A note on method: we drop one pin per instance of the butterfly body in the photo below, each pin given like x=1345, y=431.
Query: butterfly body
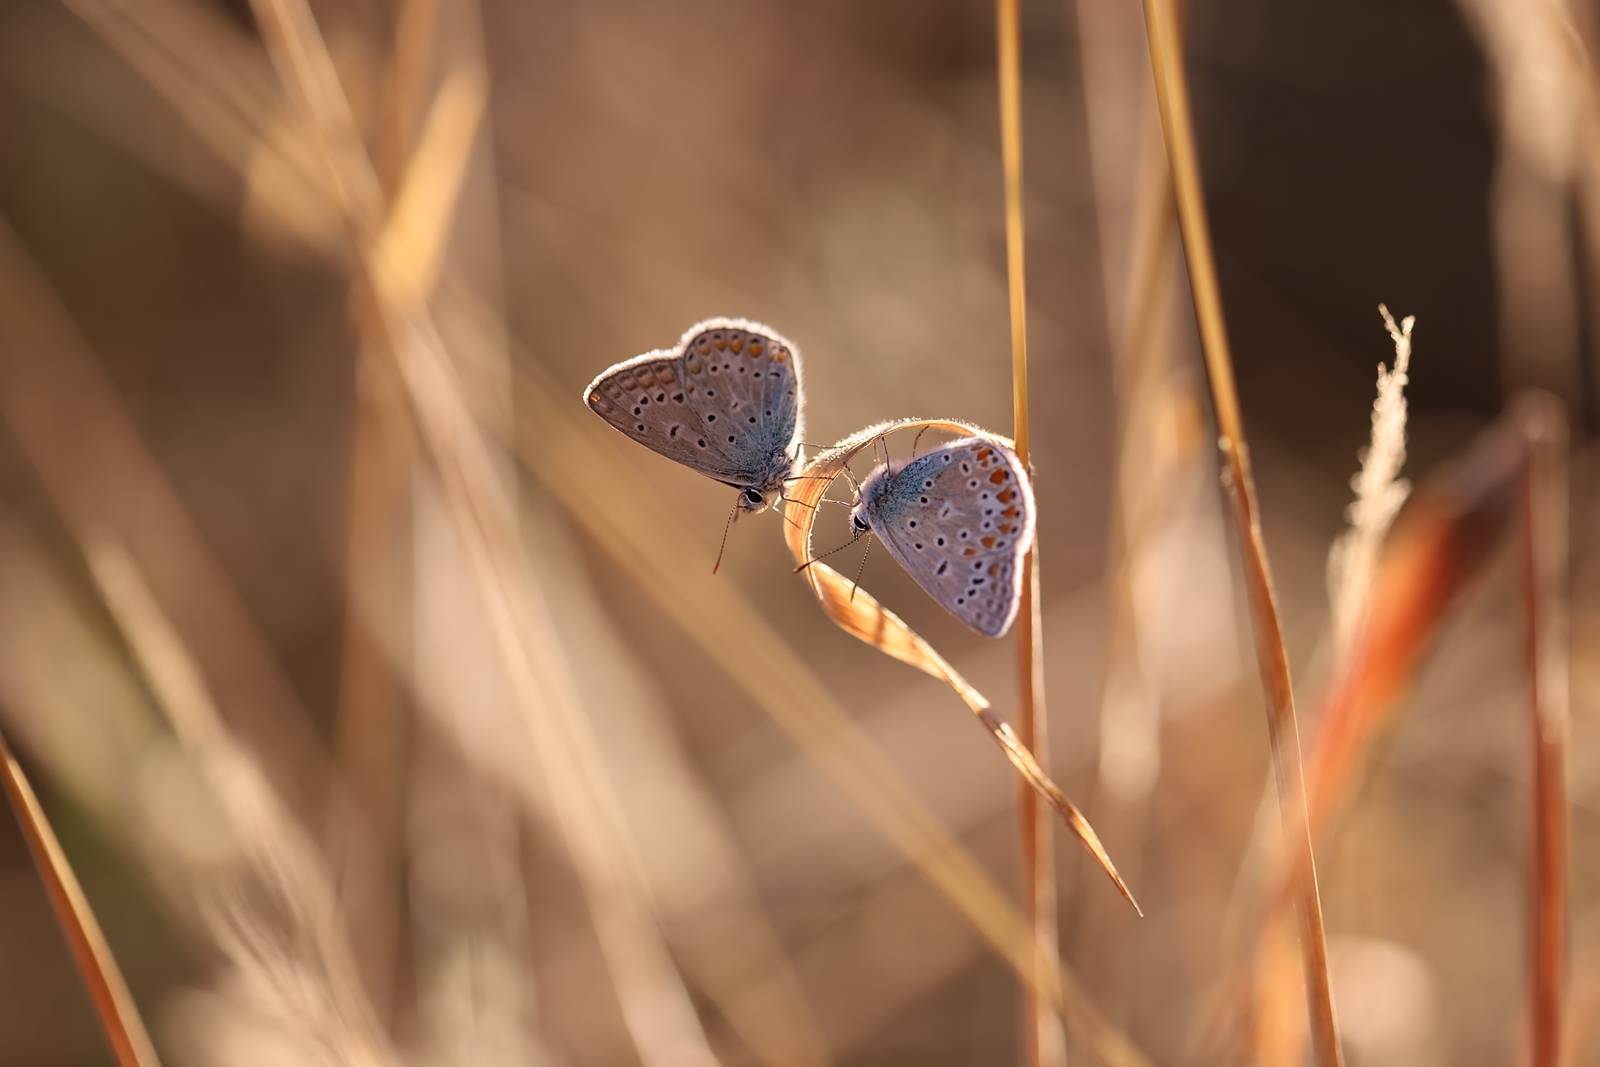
x=726, y=402
x=959, y=520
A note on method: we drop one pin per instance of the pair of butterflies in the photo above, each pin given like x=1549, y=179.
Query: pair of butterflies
x=726, y=402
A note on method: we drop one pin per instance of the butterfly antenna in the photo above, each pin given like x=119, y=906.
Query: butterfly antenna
x=826, y=554
x=724, y=546
x=861, y=569
x=917, y=440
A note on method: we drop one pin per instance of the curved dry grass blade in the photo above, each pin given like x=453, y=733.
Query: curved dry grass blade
x=124, y=1029
x=1544, y=547
x=1041, y=1037
x=857, y=613
x=1166, y=58
x=578, y=463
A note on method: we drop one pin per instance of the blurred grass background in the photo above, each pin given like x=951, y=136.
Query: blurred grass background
x=181, y=364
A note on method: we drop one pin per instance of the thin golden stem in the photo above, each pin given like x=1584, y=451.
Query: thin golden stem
x=1544, y=553
x=109, y=993
x=1042, y=1043
x=1166, y=57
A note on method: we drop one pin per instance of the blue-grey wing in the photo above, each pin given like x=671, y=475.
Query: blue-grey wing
x=696, y=404
x=959, y=520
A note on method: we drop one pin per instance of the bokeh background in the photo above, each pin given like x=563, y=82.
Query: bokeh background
x=190, y=391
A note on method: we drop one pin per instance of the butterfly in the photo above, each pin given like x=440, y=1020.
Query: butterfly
x=725, y=402
x=959, y=519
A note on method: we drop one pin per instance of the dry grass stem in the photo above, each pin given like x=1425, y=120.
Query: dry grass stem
x=1544, y=548
x=113, y=1004
x=276, y=919
x=423, y=247
x=1042, y=1040
x=578, y=463
x=659, y=1014
x=1166, y=56
x=1379, y=493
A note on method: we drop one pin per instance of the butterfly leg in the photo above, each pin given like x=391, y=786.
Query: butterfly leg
x=826, y=554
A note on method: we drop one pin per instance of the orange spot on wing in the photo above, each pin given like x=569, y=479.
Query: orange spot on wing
x=998, y=476
x=970, y=552
x=988, y=542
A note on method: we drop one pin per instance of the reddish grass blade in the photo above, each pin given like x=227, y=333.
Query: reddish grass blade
x=1544, y=560
x=109, y=993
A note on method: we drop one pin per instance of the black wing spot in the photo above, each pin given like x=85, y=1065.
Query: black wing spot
x=752, y=420
x=730, y=438
x=924, y=499
x=641, y=427
x=678, y=397
x=711, y=418
x=943, y=566
x=912, y=524
x=702, y=442
x=637, y=410
x=674, y=431
x=661, y=398
x=711, y=392
x=939, y=541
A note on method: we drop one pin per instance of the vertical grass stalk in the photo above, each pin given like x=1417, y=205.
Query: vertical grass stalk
x=1544, y=556
x=1166, y=58
x=1042, y=1043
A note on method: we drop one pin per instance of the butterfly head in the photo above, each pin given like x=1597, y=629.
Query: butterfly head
x=755, y=499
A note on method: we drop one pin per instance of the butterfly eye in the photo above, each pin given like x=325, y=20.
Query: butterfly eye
x=753, y=497
x=859, y=523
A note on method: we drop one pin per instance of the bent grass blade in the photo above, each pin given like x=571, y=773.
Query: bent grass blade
x=859, y=614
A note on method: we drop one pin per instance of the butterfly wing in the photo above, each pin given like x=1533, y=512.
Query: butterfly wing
x=725, y=402
x=959, y=520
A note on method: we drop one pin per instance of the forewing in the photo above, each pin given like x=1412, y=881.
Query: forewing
x=959, y=519
x=724, y=403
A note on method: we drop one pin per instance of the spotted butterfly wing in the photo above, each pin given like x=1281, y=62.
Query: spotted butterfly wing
x=959, y=520
x=725, y=402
